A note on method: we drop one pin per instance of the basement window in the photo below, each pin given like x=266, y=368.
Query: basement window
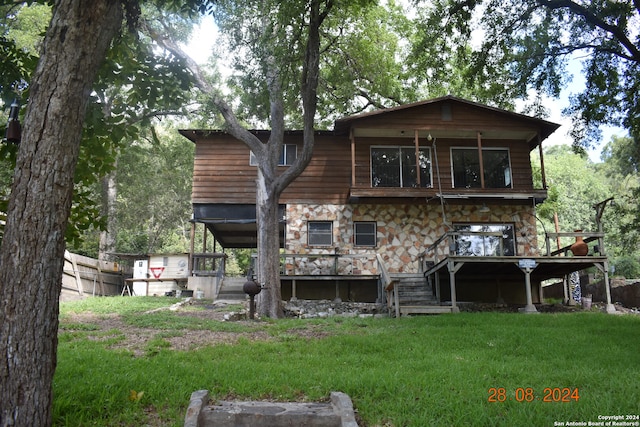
x=364, y=233
x=467, y=172
x=484, y=240
x=320, y=233
x=288, y=155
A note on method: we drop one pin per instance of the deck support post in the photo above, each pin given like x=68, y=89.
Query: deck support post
x=604, y=268
x=529, y=308
x=565, y=290
x=293, y=289
x=453, y=268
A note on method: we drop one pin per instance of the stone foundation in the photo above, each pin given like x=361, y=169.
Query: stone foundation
x=403, y=231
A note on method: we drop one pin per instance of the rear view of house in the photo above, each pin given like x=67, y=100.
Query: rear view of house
x=436, y=198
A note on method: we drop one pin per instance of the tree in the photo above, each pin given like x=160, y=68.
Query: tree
x=575, y=185
x=31, y=252
x=534, y=40
x=31, y=256
x=285, y=49
x=621, y=165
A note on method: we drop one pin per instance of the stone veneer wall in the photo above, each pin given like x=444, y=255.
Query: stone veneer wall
x=403, y=231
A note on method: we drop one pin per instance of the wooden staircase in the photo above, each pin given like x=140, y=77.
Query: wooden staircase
x=411, y=294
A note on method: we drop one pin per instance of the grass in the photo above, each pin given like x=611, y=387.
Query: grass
x=418, y=371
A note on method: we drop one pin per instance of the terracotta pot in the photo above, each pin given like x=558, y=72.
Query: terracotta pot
x=579, y=248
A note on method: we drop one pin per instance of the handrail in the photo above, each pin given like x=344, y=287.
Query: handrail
x=384, y=274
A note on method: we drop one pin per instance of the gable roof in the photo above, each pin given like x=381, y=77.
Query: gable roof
x=379, y=122
x=545, y=127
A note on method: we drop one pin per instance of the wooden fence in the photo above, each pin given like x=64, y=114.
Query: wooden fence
x=84, y=276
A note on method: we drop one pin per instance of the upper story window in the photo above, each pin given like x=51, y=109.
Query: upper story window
x=288, y=155
x=484, y=240
x=467, y=171
x=396, y=167
x=320, y=233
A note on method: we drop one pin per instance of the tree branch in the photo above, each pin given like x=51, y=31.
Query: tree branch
x=596, y=21
x=233, y=125
x=310, y=78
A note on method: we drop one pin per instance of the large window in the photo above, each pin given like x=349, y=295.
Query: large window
x=484, y=240
x=364, y=233
x=467, y=171
x=320, y=233
x=288, y=155
x=396, y=167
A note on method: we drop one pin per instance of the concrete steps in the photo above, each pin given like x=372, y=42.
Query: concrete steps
x=231, y=289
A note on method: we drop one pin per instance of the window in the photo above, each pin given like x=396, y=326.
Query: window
x=320, y=233
x=484, y=240
x=364, y=233
x=396, y=167
x=288, y=155
x=466, y=168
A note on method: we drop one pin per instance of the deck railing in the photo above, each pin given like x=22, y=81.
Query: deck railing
x=325, y=265
x=448, y=245
x=208, y=264
x=588, y=237
x=329, y=264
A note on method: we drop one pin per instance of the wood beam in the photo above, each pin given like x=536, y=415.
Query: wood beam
x=544, y=178
x=416, y=142
x=353, y=158
x=479, y=138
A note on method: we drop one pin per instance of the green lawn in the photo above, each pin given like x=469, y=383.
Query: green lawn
x=420, y=371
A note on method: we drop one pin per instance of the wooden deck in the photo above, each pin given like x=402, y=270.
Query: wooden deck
x=524, y=269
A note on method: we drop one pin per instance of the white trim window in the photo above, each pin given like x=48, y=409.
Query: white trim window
x=364, y=233
x=320, y=233
x=393, y=166
x=465, y=167
x=288, y=155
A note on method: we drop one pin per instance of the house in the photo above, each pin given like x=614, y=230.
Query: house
x=422, y=205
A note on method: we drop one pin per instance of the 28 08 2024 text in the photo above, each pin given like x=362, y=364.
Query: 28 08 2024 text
x=528, y=394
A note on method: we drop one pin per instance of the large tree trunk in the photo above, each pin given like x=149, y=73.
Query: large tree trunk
x=31, y=257
x=270, y=298
x=270, y=183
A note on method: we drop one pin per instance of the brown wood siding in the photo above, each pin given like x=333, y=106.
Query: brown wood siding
x=222, y=173
x=431, y=116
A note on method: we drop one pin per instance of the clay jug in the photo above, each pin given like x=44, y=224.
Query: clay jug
x=579, y=248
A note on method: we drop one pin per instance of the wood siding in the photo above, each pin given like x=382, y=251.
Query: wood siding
x=222, y=173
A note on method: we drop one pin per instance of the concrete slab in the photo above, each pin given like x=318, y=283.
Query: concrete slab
x=338, y=413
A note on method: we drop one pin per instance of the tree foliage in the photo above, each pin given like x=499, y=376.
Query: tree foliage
x=621, y=166
x=534, y=41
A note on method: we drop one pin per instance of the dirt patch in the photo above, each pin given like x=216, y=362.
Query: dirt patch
x=138, y=339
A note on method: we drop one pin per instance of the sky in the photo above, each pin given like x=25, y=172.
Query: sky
x=204, y=40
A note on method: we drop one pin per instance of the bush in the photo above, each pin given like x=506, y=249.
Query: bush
x=627, y=266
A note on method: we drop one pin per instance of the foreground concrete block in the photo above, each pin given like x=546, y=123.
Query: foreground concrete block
x=338, y=413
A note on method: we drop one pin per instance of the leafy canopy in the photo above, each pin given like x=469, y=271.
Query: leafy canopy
x=535, y=40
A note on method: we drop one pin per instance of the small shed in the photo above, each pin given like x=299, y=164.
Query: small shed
x=158, y=274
